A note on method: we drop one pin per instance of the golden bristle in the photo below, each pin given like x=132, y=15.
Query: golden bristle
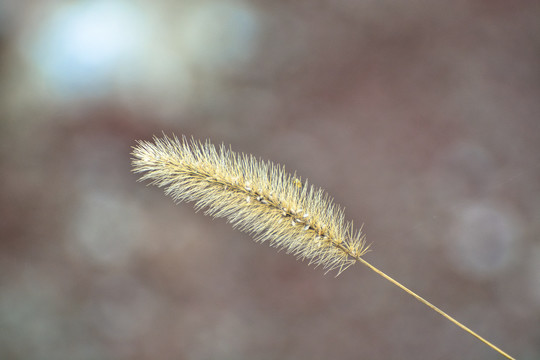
x=258, y=197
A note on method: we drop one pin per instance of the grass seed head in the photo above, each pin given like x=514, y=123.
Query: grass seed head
x=257, y=197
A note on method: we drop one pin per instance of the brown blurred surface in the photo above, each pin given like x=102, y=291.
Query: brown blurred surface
x=421, y=118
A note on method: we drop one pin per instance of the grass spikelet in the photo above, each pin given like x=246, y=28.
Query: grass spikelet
x=262, y=199
x=257, y=197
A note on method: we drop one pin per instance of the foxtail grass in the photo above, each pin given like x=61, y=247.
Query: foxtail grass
x=262, y=199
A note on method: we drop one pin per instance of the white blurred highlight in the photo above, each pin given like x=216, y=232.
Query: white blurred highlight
x=81, y=47
x=129, y=50
x=483, y=240
x=219, y=35
x=97, y=229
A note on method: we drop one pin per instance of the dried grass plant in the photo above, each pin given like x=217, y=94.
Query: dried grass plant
x=262, y=199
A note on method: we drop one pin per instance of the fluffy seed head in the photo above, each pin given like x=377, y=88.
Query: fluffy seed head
x=258, y=197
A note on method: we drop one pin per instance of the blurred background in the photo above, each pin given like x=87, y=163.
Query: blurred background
x=422, y=118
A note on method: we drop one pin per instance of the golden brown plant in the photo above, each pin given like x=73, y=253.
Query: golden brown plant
x=260, y=198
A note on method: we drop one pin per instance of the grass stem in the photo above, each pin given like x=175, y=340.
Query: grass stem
x=436, y=309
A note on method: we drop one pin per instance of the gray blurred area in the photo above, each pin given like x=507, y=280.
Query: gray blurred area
x=422, y=118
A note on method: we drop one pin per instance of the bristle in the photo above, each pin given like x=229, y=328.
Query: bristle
x=257, y=197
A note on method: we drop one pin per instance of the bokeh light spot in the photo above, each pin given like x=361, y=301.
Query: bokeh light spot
x=483, y=240
x=218, y=35
x=82, y=46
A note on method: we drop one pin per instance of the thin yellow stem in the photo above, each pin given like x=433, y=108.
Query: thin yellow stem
x=424, y=301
